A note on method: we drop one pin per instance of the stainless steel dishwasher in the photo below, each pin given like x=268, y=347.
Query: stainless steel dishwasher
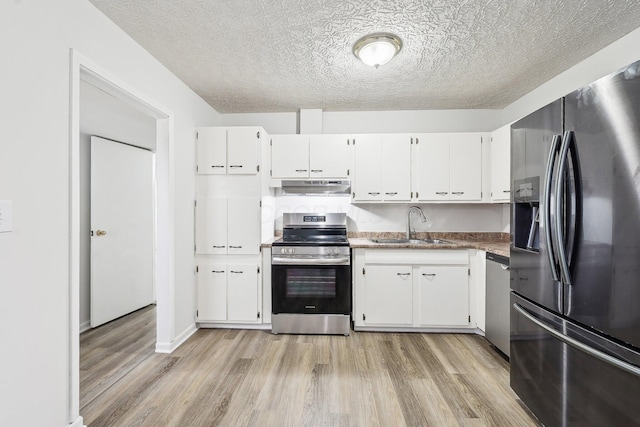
x=497, y=302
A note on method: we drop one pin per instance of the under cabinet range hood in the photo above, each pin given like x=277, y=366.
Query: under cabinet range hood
x=316, y=187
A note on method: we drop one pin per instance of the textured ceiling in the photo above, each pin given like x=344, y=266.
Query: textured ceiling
x=283, y=55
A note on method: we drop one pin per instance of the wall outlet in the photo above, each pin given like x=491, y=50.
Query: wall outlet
x=6, y=216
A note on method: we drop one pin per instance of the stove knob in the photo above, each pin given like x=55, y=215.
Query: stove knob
x=283, y=250
x=292, y=250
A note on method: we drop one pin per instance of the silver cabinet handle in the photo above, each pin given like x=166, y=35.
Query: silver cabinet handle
x=373, y=194
x=580, y=346
x=441, y=193
x=217, y=166
x=235, y=247
x=236, y=166
x=301, y=170
x=429, y=274
x=391, y=194
x=403, y=274
x=316, y=170
x=218, y=246
x=236, y=272
x=457, y=193
x=506, y=191
x=217, y=271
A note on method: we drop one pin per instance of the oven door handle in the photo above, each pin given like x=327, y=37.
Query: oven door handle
x=306, y=260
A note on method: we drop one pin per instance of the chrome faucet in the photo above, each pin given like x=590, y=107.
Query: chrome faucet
x=422, y=218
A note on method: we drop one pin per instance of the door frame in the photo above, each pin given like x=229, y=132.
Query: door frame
x=82, y=68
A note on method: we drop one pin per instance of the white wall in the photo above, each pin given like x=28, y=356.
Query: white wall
x=613, y=57
x=273, y=123
x=393, y=217
x=375, y=121
x=35, y=41
x=101, y=114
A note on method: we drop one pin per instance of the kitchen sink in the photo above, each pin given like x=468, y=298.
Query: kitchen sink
x=412, y=241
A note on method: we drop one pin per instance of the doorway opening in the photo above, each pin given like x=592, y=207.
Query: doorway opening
x=85, y=72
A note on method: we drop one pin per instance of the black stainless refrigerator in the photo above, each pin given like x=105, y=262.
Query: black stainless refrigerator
x=575, y=256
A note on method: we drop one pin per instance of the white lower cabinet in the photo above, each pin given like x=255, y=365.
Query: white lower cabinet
x=411, y=288
x=212, y=293
x=444, y=295
x=228, y=293
x=388, y=295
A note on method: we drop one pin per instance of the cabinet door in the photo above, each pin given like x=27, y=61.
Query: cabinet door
x=289, y=156
x=444, y=296
x=242, y=293
x=243, y=226
x=211, y=226
x=212, y=151
x=367, y=180
x=432, y=165
x=212, y=292
x=388, y=295
x=242, y=150
x=465, y=174
x=396, y=168
x=500, y=167
x=328, y=156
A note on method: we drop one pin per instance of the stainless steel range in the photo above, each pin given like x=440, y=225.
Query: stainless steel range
x=311, y=275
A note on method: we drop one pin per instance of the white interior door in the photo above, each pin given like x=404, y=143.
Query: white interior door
x=122, y=217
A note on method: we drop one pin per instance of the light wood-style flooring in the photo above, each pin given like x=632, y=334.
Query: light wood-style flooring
x=253, y=378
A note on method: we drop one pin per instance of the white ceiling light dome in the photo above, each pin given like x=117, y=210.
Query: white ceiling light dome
x=377, y=49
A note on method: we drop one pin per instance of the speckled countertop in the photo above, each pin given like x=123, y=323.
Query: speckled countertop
x=496, y=243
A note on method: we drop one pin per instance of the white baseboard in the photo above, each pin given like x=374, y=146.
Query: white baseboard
x=85, y=326
x=169, y=347
x=77, y=423
x=419, y=330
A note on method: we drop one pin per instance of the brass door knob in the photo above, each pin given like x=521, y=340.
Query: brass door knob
x=101, y=233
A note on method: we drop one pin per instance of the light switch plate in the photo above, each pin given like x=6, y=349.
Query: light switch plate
x=6, y=216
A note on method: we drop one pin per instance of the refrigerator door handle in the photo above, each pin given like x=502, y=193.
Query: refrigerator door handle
x=559, y=217
x=546, y=212
x=632, y=369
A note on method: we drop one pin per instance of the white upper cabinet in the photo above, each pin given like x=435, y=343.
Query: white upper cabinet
x=242, y=150
x=396, y=168
x=243, y=226
x=228, y=226
x=289, y=156
x=382, y=168
x=211, y=226
x=432, y=167
x=367, y=180
x=309, y=156
x=448, y=167
x=212, y=151
x=231, y=151
x=329, y=156
x=500, y=165
x=465, y=162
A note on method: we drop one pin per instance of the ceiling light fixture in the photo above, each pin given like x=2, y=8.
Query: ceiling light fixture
x=377, y=49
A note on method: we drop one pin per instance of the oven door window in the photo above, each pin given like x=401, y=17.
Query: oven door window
x=311, y=289
x=311, y=283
